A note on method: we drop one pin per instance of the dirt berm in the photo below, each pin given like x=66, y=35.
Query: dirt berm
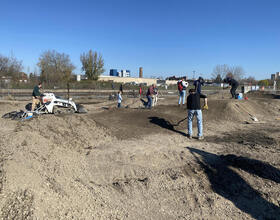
x=134, y=163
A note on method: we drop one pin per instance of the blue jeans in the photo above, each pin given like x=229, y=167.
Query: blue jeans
x=119, y=105
x=182, y=97
x=191, y=114
x=149, y=105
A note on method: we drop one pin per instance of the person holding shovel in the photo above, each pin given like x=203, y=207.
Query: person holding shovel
x=194, y=109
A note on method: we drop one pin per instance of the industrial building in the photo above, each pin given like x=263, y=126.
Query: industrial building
x=114, y=72
x=122, y=73
x=275, y=76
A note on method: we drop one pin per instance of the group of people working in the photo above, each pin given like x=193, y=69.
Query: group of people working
x=193, y=99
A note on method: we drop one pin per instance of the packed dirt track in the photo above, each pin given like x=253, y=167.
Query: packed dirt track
x=135, y=163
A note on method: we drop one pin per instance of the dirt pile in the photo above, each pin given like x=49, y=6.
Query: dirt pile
x=134, y=163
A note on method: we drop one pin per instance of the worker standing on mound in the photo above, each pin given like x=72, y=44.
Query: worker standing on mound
x=234, y=85
x=36, y=99
x=194, y=109
x=182, y=86
x=197, y=86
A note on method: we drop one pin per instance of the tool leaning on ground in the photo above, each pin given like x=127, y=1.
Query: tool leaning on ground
x=254, y=118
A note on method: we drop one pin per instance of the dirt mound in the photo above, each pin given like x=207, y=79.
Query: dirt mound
x=134, y=163
x=136, y=122
x=262, y=95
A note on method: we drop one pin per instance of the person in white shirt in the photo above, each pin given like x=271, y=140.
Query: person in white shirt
x=182, y=86
x=119, y=97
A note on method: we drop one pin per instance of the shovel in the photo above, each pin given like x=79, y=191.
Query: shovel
x=178, y=123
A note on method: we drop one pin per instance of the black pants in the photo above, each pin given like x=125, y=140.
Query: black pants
x=233, y=91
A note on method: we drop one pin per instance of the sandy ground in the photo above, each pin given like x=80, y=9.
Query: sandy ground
x=133, y=163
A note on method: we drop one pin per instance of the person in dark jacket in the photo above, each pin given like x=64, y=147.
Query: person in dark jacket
x=234, y=85
x=198, y=83
x=150, y=93
x=194, y=109
x=121, y=88
x=36, y=99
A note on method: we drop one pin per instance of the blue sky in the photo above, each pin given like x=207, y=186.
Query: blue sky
x=165, y=37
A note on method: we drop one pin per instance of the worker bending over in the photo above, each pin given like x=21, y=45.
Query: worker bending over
x=234, y=85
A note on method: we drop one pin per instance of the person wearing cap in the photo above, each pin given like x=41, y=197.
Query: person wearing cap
x=194, y=109
x=234, y=85
x=197, y=86
x=36, y=99
x=198, y=83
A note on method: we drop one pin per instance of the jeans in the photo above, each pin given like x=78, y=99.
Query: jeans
x=182, y=97
x=191, y=114
x=119, y=105
x=233, y=91
x=149, y=105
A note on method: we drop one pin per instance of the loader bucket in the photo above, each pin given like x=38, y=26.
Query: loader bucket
x=81, y=109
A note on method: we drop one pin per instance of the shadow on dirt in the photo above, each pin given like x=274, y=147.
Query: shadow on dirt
x=256, y=167
x=233, y=187
x=165, y=124
x=251, y=138
x=144, y=102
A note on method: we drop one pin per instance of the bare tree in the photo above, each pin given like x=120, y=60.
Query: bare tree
x=225, y=70
x=93, y=64
x=250, y=80
x=55, y=67
x=218, y=79
x=4, y=62
x=10, y=66
x=221, y=70
x=237, y=72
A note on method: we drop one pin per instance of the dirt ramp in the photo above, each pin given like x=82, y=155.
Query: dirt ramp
x=234, y=110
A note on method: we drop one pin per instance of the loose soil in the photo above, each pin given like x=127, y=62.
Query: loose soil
x=135, y=163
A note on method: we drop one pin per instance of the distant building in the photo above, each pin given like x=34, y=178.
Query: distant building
x=23, y=77
x=275, y=76
x=6, y=79
x=122, y=73
x=176, y=78
x=80, y=77
x=131, y=80
x=125, y=73
x=114, y=72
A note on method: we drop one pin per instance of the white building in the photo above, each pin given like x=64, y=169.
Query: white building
x=124, y=73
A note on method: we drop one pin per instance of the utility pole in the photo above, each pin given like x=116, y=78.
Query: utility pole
x=193, y=74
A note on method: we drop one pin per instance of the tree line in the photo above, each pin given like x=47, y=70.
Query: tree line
x=237, y=72
x=54, y=67
x=10, y=67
